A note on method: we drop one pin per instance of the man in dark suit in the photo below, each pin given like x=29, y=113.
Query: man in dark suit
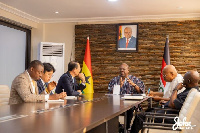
x=43, y=82
x=68, y=82
x=128, y=41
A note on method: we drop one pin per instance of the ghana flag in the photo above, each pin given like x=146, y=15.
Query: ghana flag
x=87, y=69
x=120, y=33
x=165, y=61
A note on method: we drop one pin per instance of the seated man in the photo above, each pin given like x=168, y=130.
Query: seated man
x=172, y=78
x=24, y=87
x=67, y=81
x=129, y=84
x=46, y=77
x=191, y=79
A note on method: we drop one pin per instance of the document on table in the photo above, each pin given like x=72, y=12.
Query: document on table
x=70, y=97
x=133, y=97
x=60, y=100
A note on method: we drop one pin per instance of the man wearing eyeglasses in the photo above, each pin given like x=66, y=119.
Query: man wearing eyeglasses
x=172, y=79
x=44, y=87
x=129, y=84
x=43, y=83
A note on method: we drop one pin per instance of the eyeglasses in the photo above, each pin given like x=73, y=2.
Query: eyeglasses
x=164, y=75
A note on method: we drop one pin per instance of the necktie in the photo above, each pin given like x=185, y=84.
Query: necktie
x=45, y=87
x=35, y=86
x=127, y=43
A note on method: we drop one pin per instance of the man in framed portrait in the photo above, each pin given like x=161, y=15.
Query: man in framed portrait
x=128, y=41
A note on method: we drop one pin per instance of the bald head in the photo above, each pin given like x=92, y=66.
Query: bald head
x=125, y=65
x=169, y=73
x=128, y=32
x=191, y=79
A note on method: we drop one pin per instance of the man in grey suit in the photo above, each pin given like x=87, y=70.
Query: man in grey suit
x=128, y=41
x=24, y=87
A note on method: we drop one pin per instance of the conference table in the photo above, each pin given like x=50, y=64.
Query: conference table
x=92, y=113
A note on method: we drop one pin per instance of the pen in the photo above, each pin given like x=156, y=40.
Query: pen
x=63, y=93
x=148, y=90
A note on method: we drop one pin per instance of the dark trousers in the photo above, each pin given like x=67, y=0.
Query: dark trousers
x=130, y=114
x=129, y=117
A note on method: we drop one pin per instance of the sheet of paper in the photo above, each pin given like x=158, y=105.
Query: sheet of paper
x=116, y=89
x=60, y=100
x=132, y=97
x=70, y=97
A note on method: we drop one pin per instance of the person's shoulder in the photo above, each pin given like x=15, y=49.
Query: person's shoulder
x=123, y=38
x=115, y=78
x=179, y=78
x=66, y=76
x=132, y=76
x=22, y=75
x=132, y=37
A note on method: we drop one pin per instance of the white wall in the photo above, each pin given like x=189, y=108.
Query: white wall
x=55, y=32
x=12, y=54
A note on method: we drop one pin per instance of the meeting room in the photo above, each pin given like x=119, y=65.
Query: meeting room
x=107, y=66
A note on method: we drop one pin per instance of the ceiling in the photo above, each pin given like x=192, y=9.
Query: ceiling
x=102, y=9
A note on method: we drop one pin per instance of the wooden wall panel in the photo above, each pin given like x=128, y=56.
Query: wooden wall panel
x=184, y=38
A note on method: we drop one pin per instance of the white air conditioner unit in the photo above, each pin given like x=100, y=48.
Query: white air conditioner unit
x=53, y=53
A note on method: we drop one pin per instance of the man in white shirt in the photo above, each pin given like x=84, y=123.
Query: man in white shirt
x=172, y=79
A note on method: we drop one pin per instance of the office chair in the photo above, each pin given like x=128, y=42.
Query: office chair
x=4, y=94
x=190, y=110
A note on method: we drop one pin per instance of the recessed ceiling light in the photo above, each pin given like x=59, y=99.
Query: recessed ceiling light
x=56, y=12
x=179, y=7
x=112, y=0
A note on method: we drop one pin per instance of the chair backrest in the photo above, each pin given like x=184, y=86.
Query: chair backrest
x=195, y=120
x=4, y=94
x=190, y=110
x=190, y=104
x=189, y=107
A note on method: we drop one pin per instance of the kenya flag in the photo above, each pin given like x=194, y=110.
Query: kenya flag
x=165, y=61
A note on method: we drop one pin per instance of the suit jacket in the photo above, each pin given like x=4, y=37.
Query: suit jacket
x=66, y=82
x=131, y=44
x=21, y=90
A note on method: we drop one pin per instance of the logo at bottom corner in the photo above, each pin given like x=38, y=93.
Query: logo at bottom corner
x=182, y=124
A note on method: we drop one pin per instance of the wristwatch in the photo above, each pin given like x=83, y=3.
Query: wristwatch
x=175, y=89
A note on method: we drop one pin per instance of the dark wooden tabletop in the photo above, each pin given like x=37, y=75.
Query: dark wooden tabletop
x=81, y=114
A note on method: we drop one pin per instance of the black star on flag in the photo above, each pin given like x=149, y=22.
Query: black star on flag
x=87, y=78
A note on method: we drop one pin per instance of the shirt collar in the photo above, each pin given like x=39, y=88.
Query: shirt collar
x=29, y=76
x=33, y=88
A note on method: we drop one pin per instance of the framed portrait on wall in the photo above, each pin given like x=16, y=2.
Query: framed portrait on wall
x=127, y=37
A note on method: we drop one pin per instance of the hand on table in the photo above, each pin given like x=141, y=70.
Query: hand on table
x=80, y=93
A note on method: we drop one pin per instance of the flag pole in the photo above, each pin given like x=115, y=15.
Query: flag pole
x=165, y=61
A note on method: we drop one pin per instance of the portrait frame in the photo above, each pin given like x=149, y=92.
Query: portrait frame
x=130, y=44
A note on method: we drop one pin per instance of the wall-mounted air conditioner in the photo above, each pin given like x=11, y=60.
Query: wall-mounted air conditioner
x=53, y=53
